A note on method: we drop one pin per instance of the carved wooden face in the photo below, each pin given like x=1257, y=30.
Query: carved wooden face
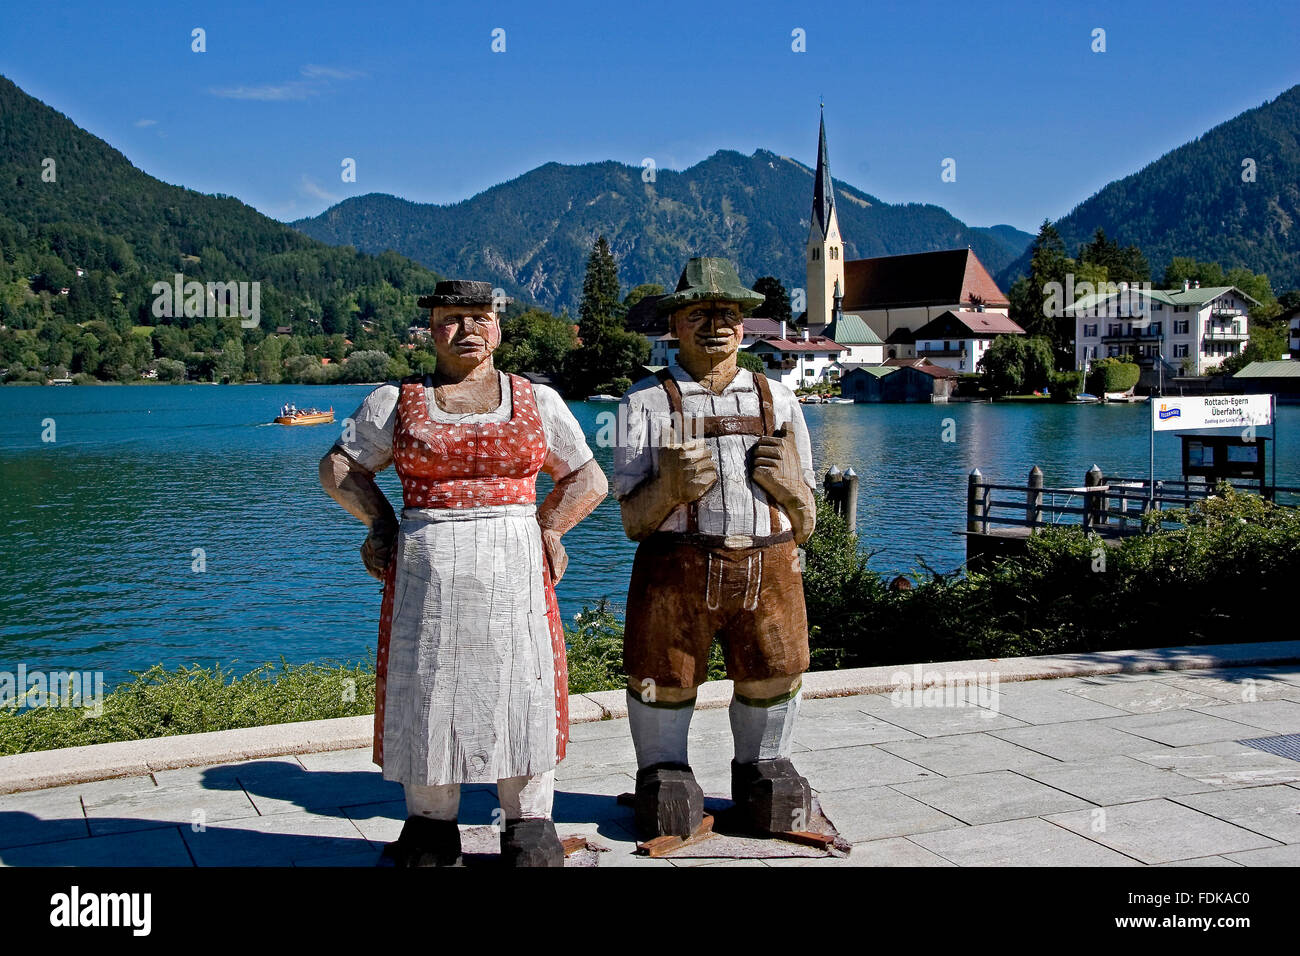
x=709, y=330
x=464, y=334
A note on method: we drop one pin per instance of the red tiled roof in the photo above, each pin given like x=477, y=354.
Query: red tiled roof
x=921, y=365
x=977, y=323
x=816, y=343
x=918, y=279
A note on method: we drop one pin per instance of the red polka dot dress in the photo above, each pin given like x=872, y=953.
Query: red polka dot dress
x=472, y=679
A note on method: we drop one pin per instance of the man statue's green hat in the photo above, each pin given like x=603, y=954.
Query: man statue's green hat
x=706, y=279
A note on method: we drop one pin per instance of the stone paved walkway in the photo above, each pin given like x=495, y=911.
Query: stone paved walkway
x=1121, y=770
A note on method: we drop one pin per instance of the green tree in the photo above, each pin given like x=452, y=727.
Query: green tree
x=776, y=302
x=1267, y=344
x=535, y=341
x=1029, y=295
x=639, y=292
x=230, y=362
x=608, y=350
x=269, y=359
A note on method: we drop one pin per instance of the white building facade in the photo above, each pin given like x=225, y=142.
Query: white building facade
x=1192, y=329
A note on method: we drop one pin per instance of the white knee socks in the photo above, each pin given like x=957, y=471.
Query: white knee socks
x=658, y=733
x=520, y=797
x=439, y=802
x=525, y=798
x=763, y=733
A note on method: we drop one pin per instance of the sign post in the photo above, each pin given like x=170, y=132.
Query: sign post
x=1209, y=411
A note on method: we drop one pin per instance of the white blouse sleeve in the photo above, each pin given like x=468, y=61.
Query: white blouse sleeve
x=566, y=445
x=368, y=432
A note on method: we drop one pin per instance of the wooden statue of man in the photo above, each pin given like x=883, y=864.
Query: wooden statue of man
x=714, y=474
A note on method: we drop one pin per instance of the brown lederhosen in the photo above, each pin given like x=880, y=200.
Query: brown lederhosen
x=689, y=588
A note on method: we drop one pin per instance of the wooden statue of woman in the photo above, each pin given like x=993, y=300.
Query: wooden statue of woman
x=472, y=681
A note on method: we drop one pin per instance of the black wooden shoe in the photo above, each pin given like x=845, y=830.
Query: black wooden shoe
x=531, y=842
x=424, y=842
x=771, y=796
x=668, y=801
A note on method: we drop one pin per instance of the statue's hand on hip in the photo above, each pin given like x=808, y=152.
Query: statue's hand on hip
x=555, y=553
x=687, y=470
x=377, y=549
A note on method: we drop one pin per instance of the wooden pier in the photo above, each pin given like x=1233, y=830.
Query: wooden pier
x=1000, y=517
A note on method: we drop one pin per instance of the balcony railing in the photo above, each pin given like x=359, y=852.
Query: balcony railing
x=1226, y=335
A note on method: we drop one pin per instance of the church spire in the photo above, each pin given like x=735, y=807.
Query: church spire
x=823, y=189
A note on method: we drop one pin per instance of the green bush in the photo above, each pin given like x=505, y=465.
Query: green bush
x=194, y=699
x=1112, y=375
x=1066, y=386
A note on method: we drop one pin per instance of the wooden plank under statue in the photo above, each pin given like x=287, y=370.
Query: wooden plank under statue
x=472, y=684
x=714, y=476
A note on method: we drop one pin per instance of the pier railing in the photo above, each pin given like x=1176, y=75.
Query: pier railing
x=1110, y=505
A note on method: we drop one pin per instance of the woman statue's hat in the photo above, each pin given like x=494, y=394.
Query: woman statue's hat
x=706, y=279
x=461, y=292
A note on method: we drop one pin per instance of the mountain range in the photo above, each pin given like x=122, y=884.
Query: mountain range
x=532, y=235
x=1230, y=196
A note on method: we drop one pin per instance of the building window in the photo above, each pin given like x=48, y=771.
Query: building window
x=1182, y=308
x=1156, y=328
x=1180, y=351
x=1157, y=306
x=1180, y=326
x=1090, y=331
x=816, y=254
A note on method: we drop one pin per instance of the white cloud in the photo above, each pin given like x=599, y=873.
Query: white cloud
x=316, y=192
x=315, y=71
x=315, y=80
x=269, y=92
x=145, y=122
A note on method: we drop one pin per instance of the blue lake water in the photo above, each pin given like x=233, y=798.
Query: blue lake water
x=102, y=525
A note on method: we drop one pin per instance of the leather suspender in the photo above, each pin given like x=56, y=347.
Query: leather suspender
x=719, y=425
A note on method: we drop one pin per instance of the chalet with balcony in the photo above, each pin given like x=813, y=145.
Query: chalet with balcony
x=1190, y=330
x=957, y=340
x=799, y=362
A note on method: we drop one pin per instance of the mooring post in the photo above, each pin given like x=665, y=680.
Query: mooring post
x=1034, y=498
x=973, y=502
x=851, y=499
x=1092, y=509
x=833, y=483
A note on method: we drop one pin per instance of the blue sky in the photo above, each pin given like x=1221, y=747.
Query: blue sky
x=1036, y=121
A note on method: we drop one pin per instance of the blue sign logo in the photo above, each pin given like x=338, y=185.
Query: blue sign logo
x=1166, y=412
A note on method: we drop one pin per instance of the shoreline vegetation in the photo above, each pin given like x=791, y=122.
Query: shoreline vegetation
x=1217, y=579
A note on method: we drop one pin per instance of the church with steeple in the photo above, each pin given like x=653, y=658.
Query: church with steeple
x=883, y=300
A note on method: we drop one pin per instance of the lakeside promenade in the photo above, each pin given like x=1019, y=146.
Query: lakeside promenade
x=1123, y=758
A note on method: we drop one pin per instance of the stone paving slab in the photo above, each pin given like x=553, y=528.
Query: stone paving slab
x=154, y=806
x=281, y=839
x=1273, y=812
x=1073, y=740
x=163, y=847
x=1275, y=716
x=1160, y=831
x=990, y=797
x=1117, y=778
x=1032, y=842
x=966, y=753
x=1144, y=696
x=1182, y=728
x=1224, y=764
x=1037, y=704
x=877, y=813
